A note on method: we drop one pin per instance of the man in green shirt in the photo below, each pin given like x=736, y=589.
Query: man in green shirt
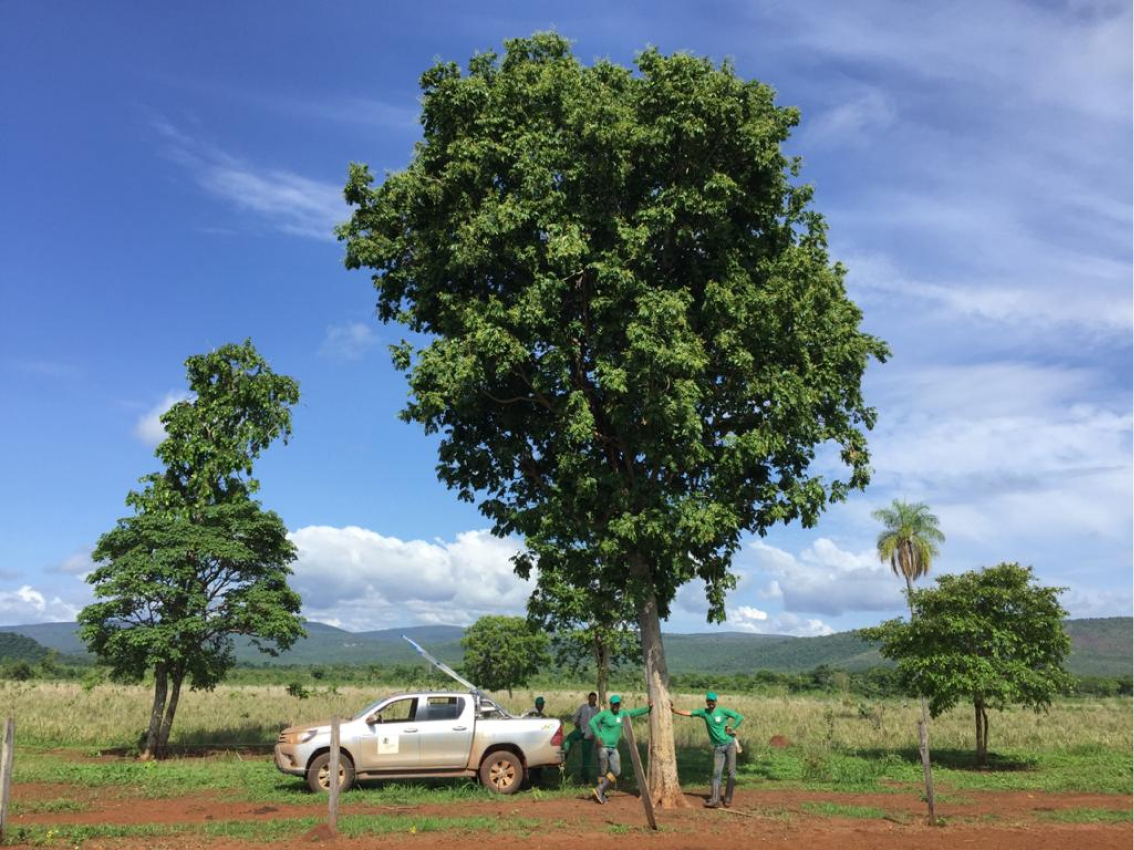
x=722, y=724
x=607, y=729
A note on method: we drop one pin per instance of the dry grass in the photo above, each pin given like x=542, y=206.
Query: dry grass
x=110, y=716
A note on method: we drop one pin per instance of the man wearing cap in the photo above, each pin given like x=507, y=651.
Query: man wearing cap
x=606, y=726
x=722, y=736
x=537, y=709
x=582, y=733
x=535, y=774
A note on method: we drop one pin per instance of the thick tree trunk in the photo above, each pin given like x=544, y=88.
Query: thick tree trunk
x=170, y=711
x=665, y=787
x=984, y=742
x=157, y=711
x=603, y=665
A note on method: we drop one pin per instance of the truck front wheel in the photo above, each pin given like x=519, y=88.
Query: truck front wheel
x=502, y=772
x=319, y=773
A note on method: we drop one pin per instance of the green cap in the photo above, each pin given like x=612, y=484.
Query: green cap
x=711, y=696
x=539, y=700
x=615, y=699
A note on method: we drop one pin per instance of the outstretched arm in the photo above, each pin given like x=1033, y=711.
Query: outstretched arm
x=737, y=719
x=679, y=711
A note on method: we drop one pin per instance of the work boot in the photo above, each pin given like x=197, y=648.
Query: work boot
x=600, y=790
x=728, y=793
x=712, y=804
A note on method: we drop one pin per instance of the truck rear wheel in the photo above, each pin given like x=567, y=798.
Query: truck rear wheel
x=319, y=773
x=502, y=772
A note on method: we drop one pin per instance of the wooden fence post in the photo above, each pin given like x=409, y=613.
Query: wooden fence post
x=926, y=768
x=333, y=805
x=6, y=773
x=643, y=788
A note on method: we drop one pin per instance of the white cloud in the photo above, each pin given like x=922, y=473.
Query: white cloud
x=1036, y=306
x=1009, y=451
x=852, y=122
x=285, y=201
x=823, y=579
x=78, y=564
x=1089, y=602
x=1074, y=57
x=28, y=605
x=755, y=621
x=362, y=580
x=348, y=342
x=149, y=428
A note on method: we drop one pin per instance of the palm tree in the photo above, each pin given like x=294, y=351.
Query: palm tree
x=909, y=542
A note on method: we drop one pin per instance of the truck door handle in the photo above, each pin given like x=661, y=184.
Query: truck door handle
x=409, y=730
x=460, y=728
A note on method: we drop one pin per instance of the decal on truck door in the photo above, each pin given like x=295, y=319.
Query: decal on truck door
x=387, y=745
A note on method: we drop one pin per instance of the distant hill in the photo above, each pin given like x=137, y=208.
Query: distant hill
x=737, y=652
x=62, y=637
x=1100, y=647
x=17, y=647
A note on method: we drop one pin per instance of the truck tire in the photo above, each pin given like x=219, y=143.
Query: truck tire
x=502, y=772
x=319, y=773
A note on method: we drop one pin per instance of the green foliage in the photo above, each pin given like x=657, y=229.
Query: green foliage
x=909, y=540
x=637, y=338
x=297, y=690
x=18, y=671
x=590, y=629
x=200, y=560
x=502, y=653
x=15, y=647
x=991, y=637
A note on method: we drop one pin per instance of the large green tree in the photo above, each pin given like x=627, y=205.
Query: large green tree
x=632, y=339
x=200, y=560
x=502, y=653
x=991, y=637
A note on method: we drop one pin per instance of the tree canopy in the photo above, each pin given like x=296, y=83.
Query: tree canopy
x=633, y=340
x=908, y=541
x=200, y=560
x=992, y=638
x=502, y=653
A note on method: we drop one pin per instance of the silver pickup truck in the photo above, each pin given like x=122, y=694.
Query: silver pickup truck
x=432, y=734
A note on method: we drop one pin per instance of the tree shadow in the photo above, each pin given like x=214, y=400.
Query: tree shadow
x=951, y=759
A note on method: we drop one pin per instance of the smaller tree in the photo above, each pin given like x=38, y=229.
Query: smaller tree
x=502, y=653
x=200, y=560
x=991, y=637
x=587, y=626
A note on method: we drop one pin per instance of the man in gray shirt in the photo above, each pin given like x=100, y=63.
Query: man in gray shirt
x=582, y=733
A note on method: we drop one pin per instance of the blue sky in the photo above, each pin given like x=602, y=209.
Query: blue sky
x=171, y=176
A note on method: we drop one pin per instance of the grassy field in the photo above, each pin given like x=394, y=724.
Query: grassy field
x=69, y=741
x=840, y=744
x=112, y=717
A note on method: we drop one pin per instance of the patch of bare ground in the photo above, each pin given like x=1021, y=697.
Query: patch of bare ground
x=759, y=818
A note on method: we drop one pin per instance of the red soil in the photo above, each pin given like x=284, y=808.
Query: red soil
x=759, y=819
